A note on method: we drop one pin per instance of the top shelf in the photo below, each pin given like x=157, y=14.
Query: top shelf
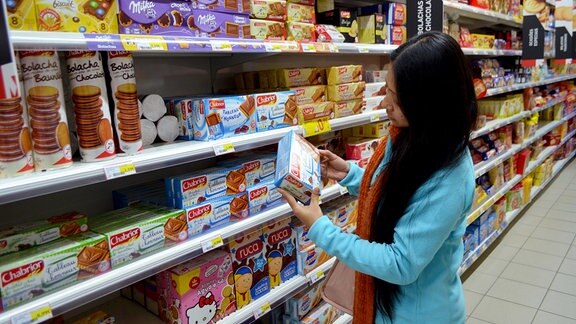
x=467, y=11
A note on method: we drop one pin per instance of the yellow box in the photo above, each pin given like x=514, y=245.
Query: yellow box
x=347, y=91
x=307, y=113
x=300, y=32
x=84, y=16
x=344, y=74
x=372, y=29
x=310, y=94
x=298, y=77
x=347, y=108
x=21, y=15
x=301, y=13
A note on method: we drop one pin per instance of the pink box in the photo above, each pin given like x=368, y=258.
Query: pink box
x=360, y=148
x=198, y=291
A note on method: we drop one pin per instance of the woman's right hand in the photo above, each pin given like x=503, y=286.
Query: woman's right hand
x=333, y=166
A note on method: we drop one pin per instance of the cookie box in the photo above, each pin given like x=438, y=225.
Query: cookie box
x=200, y=289
x=344, y=20
x=274, y=110
x=267, y=29
x=375, y=89
x=396, y=35
x=95, y=16
x=298, y=306
x=372, y=29
x=281, y=253
x=301, y=13
x=373, y=103
x=231, y=6
x=216, y=212
x=20, y=237
x=223, y=117
x=298, y=77
x=45, y=268
x=310, y=94
x=268, y=9
x=257, y=168
x=311, y=258
x=375, y=76
x=348, y=108
x=262, y=196
x=328, y=34
x=323, y=314
x=297, y=167
x=343, y=215
x=21, y=15
x=396, y=14
x=344, y=74
x=181, y=108
x=300, y=32
x=359, y=148
x=346, y=91
x=307, y=113
x=302, y=240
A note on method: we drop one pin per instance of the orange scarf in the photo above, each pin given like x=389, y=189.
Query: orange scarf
x=369, y=194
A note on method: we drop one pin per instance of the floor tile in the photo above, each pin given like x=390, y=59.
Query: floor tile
x=567, y=197
x=568, y=267
x=472, y=300
x=546, y=247
x=517, y=292
x=538, y=211
x=499, y=311
x=514, y=240
x=569, y=207
x=559, y=303
x=528, y=219
x=562, y=215
x=564, y=284
x=504, y=252
x=522, y=229
x=572, y=253
x=544, y=203
x=553, y=235
x=547, y=195
x=494, y=267
x=547, y=318
x=528, y=275
x=558, y=225
x=479, y=282
x=568, y=193
x=537, y=259
x=473, y=320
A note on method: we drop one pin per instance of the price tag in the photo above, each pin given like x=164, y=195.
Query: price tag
x=343, y=190
x=121, y=170
x=374, y=118
x=316, y=276
x=224, y=149
x=363, y=49
x=37, y=315
x=308, y=48
x=220, y=46
x=212, y=243
x=262, y=310
x=315, y=127
x=143, y=43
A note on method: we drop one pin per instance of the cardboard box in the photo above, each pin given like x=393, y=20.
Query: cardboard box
x=261, y=196
x=344, y=74
x=268, y=9
x=21, y=15
x=310, y=94
x=359, y=148
x=77, y=16
x=298, y=77
x=347, y=91
x=372, y=29
x=215, y=212
x=375, y=89
x=348, y=108
x=397, y=14
x=298, y=306
x=373, y=103
x=274, y=110
x=325, y=313
x=297, y=167
x=301, y=13
x=302, y=240
x=267, y=29
x=181, y=108
x=280, y=241
x=300, y=32
x=344, y=20
x=307, y=113
x=396, y=35
x=257, y=168
x=231, y=6
x=223, y=117
x=311, y=258
x=375, y=76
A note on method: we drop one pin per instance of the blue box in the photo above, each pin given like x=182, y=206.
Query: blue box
x=272, y=109
x=257, y=168
x=223, y=117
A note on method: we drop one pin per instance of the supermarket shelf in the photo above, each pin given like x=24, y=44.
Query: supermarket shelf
x=492, y=199
x=82, y=292
x=491, y=52
x=344, y=319
x=569, y=116
x=497, y=123
x=497, y=91
x=276, y=297
x=464, y=10
x=158, y=157
x=350, y=48
x=568, y=136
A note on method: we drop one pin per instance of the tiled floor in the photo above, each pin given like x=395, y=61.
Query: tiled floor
x=530, y=277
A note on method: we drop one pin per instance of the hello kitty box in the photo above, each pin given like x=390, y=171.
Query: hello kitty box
x=200, y=291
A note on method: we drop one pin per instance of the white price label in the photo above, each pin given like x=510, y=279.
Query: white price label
x=262, y=310
x=363, y=49
x=212, y=243
x=225, y=148
x=374, y=118
x=37, y=315
x=119, y=170
x=271, y=47
x=220, y=46
x=308, y=48
x=316, y=276
x=343, y=190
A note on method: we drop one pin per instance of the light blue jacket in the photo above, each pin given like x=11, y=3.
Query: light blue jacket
x=427, y=248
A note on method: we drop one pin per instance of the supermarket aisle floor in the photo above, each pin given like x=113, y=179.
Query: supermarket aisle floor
x=530, y=277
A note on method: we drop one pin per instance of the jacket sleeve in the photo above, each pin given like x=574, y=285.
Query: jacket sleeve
x=353, y=179
x=419, y=235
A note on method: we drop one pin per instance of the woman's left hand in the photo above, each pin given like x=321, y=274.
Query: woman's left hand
x=307, y=214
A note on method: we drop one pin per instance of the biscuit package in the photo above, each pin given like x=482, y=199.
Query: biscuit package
x=232, y=6
x=274, y=110
x=301, y=13
x=298, y=306
x=268, y=9
x=297, y=167
x=307, y=113
x=267, y=29
x=223, y=117
x=20, y=237
x=218, y=24
x=359, y=148
x=45, y=268
x=281, y=252
x=311, y=258
x=344, y=74
x=344, y=20
x=202, y=288
x=372, y=29
x=348, y=108
x=15, y=140
x=94, y=16
x=21, y=15
x=298, y=77
x=300, y=32
x=181, y=108
x=262, y=196
x=215, y=212
x=126, y=114
x=257, y=168
x=166, y=18
x=310, y=95
x=373, y=103
x=250, y=268
x=347, y=91
x=396, y=35
x=324, y=314
x=91, y=109
x=375, y=89
x=46, y=109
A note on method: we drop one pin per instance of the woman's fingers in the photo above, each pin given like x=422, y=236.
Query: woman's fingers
x=289, y=199
x=315, y=198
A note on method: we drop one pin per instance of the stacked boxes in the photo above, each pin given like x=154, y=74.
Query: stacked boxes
x=268, y=19
x=98, y=16
x=300, y=22
x=346, y=89
x=344, y=20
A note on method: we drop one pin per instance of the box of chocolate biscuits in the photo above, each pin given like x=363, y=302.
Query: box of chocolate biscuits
x=223, y=117
x=80, y=16
x=216, y=212
x=21, y=15
x=274, y=110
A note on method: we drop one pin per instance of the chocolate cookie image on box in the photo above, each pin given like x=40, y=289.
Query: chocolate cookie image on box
x=93, y=130
x=94, y=259
x=127, y=113
x=124, y=20
x=176, y=229
x=48, y=135
x=12, y=140
x=97, y=8
x=164, y=20
x=177, y=18
x=235, y=182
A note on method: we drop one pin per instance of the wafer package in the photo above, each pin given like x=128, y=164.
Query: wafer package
x=223, y=117
x=274, y=110
x=46, y=107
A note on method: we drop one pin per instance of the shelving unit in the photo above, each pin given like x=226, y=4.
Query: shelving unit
x=522, y=86
x=484, y=15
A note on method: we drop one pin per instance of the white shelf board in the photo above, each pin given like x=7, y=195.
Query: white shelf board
x=522, y=86
x=491, y=52
x=468, y=11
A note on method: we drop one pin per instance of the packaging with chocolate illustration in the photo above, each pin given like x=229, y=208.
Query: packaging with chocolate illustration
x=268, y=29
x=161, y=17
x=322, y=110
x=215, y=212
x=46, y=109
x=223, y=117
x=233, y=6
x=274, y=110
x=346, y=91
x=94, y=16
x=344, y=74
x=310, y=94
x=290, y=78
x=91, y=108
x=257, y=168
x=21, y=15
x=262, y=196
x=348, y=108
x=268, y=9
x=281, y=252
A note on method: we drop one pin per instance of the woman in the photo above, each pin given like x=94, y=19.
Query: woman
x=414, y=194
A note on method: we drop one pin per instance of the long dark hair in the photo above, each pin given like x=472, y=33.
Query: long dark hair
x=435, y=92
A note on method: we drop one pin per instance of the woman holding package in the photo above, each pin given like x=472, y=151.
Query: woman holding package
x=413, y=196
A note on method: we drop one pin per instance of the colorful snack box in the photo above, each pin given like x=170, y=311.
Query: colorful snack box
x=200, y=289
x=96, y=16
x=268, y=9
x=281, y=252
x=232, y=6
x=328, y=34
x=359, y=148
x=302, y=239
x=348, y=108
x=297, y=167
x=375, y=130
x=20, y=237
x=373, y=103
x=216, y=212
x=343, y=215
x=45, y=268
x=257, y=168
x=300, y=32
x=347, y=91
x=250, y=267
x=262, y=196
x=311, y=258
x=310, y=94
x=181, y=108
x=396, y=35
x=131, y=237
x=396, y=14
x=298, y=306
x=289, y=78
x=301, y=13
x=267, y=29
x=21, y=15
x=344, y=20
x=322, y=110
x=376, y=89
x=223, y=117
x=274, y=110
x=375, y=76
x=218, y=24
x=323, y=314
x=372, y=29
x=344, y=74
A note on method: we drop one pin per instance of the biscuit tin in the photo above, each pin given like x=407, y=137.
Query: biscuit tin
x=21, y=15
x=274, y=110
x=124, y=94
x=281, y=252
x=91, y=108
x=223, y=117
x=81, y=16
x=47, y=112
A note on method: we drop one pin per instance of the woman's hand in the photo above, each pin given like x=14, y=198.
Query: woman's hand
x=333, y=166
x=307, y=214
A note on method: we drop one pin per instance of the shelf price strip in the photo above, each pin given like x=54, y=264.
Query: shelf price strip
x=262, y=310
x=143, y=43
x=212, y=243
x=225, y=148
x=316, y=276
x=37, y=315
x=117, y=171
x=315, y=127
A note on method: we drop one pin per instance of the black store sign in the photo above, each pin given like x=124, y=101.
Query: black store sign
x=424, y=16
x=532, y=39
x=563, y=44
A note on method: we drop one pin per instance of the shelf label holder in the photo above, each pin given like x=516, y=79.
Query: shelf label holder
x=225, y=148
x=262, y=310
x=37, y=315
x=119, y=170
x=212, y=243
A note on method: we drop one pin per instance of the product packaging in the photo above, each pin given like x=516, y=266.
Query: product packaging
x=344, y=20
x=372, y=29
x=268, y=9
x=344, y=74
x=281, y=253
x=274, y=110
x=347, y=91
x=300, y=32
x=267, y=29
x=223, y=117
x=97, y=16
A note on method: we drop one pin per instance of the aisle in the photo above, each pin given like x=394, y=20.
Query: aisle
x=530, y=277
